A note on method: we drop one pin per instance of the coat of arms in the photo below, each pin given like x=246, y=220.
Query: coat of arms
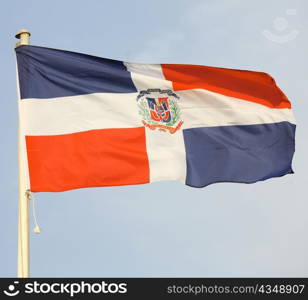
x=159, y=110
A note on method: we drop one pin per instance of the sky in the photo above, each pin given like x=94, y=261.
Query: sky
x=163, y=229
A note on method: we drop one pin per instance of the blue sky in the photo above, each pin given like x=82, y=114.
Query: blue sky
x=166, y=228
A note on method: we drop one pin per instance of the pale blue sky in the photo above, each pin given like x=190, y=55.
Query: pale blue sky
x=166, y=228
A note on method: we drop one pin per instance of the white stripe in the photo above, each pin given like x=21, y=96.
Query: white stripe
x=148, y=76
x=202, y=108
x=166, y=154
x=153, y=70
x=199, y=108
x=79, y=113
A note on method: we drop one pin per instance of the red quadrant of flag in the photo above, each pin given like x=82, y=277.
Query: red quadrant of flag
x=256, y=87
x=105, y=157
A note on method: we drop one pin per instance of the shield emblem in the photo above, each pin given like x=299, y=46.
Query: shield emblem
x=159, y=110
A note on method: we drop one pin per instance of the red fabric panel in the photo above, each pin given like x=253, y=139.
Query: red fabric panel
x=246, y=85
x=94, y=158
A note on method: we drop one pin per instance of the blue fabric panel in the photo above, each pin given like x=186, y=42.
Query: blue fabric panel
x=49, y=73
x=243, y=153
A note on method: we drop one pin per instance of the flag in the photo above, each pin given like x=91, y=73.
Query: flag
x=90, y=122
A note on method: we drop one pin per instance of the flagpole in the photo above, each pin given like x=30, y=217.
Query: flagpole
x=23, y=203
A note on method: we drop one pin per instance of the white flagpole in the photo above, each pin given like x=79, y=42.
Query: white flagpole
x=23, y=203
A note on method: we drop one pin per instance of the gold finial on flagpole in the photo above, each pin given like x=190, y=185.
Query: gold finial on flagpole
x=24, y=37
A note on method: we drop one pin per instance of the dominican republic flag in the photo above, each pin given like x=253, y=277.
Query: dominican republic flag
x=89, y=121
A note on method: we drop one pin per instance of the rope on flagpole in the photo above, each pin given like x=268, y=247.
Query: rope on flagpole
x=30, y=196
